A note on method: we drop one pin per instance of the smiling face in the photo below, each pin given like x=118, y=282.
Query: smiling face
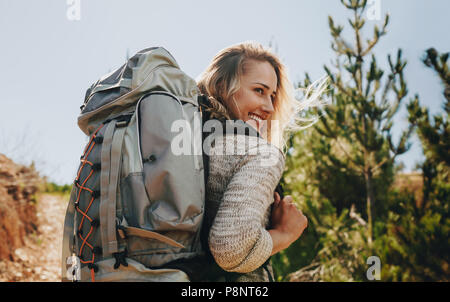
x=253, y=102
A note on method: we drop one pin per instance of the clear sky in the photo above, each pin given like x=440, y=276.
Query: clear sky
x=48, y=61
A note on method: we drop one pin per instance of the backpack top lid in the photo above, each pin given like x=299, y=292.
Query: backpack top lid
x=151, y=69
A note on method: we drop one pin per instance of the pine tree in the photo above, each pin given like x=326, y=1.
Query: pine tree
x=353, y=149
x=416, y=247
x=434, y=135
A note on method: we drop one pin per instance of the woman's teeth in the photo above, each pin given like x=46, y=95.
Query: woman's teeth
x=254, y=117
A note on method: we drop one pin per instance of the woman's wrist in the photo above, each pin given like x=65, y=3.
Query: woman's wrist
x=280, y=240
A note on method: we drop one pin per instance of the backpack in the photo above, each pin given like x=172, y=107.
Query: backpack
x=136, y=205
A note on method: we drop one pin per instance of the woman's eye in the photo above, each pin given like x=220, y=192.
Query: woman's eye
x=259, y=90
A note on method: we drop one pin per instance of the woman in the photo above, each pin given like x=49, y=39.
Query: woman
x=247, y=82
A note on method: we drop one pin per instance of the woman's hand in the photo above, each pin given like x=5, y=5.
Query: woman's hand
x=288, y=223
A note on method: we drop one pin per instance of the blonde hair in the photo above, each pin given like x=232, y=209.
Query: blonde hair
x=221, y=80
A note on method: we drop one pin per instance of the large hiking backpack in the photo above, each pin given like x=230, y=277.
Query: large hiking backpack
x=135, y=204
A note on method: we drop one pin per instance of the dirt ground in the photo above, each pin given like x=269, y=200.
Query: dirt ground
x=39, y=258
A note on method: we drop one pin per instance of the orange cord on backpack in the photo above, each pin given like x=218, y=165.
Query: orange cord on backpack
x=82, y=187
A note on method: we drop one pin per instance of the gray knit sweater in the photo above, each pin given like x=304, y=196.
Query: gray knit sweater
x=240, y=192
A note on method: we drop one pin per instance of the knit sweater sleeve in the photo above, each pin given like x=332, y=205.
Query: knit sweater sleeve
x=238, y=239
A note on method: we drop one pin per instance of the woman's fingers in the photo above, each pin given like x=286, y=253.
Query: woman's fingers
x=288, y=218
x=277, y=198
x=288, y=199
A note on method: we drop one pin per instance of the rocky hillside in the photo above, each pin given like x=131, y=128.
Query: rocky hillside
x=18, y=185
x=31, y=226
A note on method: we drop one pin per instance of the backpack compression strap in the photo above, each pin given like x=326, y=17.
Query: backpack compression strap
x=109, y=177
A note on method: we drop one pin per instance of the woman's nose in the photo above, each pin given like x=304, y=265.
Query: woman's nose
x=268, y=106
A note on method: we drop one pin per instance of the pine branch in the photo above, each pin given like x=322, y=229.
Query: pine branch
x=377, y=34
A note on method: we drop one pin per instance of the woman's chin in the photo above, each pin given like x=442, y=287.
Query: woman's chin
x=260, y=126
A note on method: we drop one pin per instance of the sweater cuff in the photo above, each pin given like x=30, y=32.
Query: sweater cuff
x=258, y=255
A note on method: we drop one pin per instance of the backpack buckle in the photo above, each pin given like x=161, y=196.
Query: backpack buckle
x=121, y=259
x=121, y=231
x=121, y=124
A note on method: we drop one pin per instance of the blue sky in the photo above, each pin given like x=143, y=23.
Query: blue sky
x=48, y=61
